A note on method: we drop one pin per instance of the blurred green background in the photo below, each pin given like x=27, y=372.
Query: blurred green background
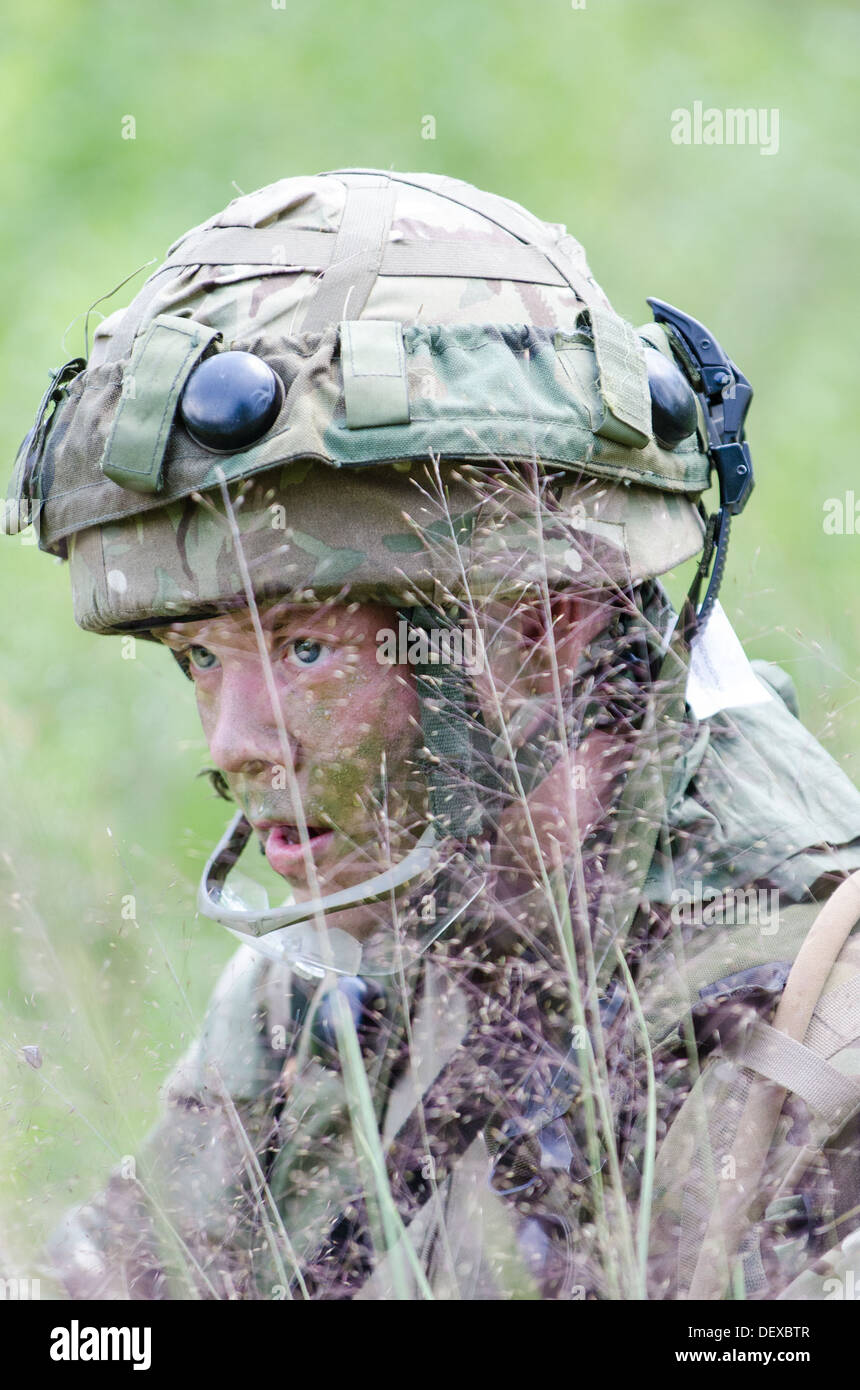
x=565, y=109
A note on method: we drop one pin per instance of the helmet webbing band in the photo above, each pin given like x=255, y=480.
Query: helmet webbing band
x=357, y=254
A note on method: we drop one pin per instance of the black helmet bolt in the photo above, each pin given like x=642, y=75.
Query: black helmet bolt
x=673, y=405
x=230, y=401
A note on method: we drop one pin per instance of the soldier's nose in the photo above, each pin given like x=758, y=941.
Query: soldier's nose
x=249, y=735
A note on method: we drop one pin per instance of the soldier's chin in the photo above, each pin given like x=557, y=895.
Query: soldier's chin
x=337, y=867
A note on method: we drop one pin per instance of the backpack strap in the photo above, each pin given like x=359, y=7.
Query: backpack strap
x=833, y=1096
x=729, y=1223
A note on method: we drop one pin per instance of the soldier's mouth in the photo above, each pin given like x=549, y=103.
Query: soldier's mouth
x=284, y=848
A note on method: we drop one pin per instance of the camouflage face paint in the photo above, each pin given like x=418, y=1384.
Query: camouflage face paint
x=351, y=732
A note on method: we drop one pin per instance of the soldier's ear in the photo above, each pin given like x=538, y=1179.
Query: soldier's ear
x=555, y=635
x=218, y=782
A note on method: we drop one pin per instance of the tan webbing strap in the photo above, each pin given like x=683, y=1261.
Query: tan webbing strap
x=270, y=246
x=622, y=379
x=470, y=260
x=375, y=386
x=352, y=257
x=510, y=219
x=830, y=1093
x=162, y=360
x=813, y=964
x=123, y=339
x=287, y=246
x=299, y=249
x=836, y=1020
x=357, y=256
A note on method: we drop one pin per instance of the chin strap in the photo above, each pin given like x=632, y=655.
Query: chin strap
x=456, y=760
x=456, y=744
x=467, y=770
x=468, y=774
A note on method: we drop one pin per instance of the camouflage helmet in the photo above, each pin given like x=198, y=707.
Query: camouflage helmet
x=420, y=338
x=391, y=386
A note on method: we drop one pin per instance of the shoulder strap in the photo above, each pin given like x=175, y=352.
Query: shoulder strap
x=815, y=960
x=834, y=1096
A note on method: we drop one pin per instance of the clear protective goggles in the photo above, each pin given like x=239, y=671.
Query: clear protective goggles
x=299, y=934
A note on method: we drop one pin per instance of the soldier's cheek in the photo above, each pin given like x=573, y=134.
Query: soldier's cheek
x=338, y=705
x=384, y=697
x=340, y=792
x=207, y=712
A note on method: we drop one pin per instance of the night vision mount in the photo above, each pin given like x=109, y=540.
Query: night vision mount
x=724, y=395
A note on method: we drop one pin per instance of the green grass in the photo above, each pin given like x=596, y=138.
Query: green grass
x=565, y=110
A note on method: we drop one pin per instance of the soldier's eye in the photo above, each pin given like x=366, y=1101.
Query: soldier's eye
x=304, y=651
x=202, y=659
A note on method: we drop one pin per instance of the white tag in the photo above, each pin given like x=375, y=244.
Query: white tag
x=720, y=675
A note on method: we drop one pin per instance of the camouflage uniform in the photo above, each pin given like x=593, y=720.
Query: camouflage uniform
x=426, y=338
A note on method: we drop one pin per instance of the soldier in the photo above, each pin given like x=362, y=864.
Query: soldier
x=562, y=1001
